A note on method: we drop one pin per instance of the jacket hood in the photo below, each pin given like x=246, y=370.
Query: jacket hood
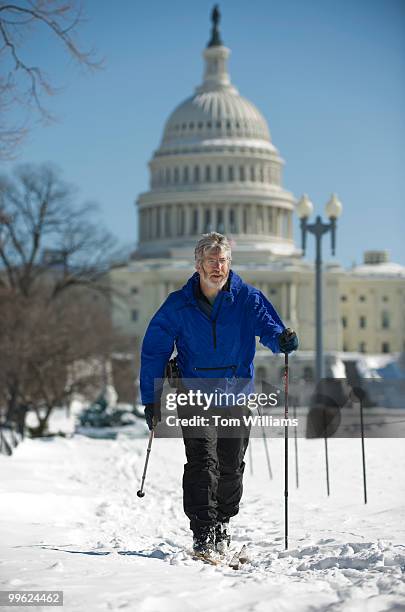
x=235, y=285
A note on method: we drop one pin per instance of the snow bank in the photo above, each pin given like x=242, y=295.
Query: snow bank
x=70, y=519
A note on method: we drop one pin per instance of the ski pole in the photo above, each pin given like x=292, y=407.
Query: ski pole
x=362, y=451
x=141, y=492
x=326, y=451
x=266, y=447
x=286, y=449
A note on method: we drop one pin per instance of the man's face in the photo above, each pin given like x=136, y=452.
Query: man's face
x=214, y=269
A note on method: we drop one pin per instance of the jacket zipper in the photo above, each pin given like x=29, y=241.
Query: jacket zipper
x=214, y=324
x=218, y=368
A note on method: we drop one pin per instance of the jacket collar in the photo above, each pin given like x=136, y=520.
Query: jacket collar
x=235, y=285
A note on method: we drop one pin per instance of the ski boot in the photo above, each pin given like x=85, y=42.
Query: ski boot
x=204, y=544
x=222, y=537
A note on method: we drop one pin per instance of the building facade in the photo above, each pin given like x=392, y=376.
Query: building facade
x=217, y=169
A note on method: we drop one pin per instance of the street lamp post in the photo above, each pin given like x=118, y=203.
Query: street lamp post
x=318, y=229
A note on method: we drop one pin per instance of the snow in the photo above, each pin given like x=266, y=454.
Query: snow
x=379, y=269
x=70, y=519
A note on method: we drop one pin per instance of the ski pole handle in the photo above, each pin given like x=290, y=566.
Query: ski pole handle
x=141, y=492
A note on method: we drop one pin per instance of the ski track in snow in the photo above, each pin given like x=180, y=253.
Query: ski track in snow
x=70, y=519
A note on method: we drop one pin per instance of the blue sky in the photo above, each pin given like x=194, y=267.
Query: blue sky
x=328, y=76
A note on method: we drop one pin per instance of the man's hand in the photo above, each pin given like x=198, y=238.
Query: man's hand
x=288, y=341
x=153, y=414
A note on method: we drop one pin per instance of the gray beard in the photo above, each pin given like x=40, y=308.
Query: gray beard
x=211, y=284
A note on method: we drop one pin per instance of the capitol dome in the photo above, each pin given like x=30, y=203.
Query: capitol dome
x=215, y=113
x=216, y=169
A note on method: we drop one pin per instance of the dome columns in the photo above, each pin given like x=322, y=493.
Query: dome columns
x=181, y=220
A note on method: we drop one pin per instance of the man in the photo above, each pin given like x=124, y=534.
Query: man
x=213, y=321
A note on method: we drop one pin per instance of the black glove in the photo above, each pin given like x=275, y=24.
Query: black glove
x=288, y=341
x=153, y=414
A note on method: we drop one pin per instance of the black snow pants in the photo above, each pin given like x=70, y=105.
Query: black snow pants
x=213, y=474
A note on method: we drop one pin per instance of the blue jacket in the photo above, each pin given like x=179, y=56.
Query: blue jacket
x=222, y=345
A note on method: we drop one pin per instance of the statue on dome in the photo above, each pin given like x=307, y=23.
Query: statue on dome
x=215, y=35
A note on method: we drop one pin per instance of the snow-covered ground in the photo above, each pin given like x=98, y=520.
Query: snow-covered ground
x=70, y=519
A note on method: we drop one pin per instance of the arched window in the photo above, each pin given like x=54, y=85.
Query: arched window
x=176, y=175
x=208, y=173
x=230, y=173
x=185, y=175
x=196, y=174
x=167, y=176
x=241, y=173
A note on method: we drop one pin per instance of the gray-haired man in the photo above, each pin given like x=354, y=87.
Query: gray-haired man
x=213, y=321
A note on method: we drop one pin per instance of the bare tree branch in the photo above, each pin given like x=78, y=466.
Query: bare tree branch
x=60, y=18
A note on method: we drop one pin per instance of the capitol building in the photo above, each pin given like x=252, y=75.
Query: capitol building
x=217, y=169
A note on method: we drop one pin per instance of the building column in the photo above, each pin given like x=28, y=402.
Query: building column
x=155, y=212
x=239, y=219
x=200, y=218
x=266, y=220
x=293, y=302
x=187, y=219
x=284, y=302
x=162, y=221
x=213, y=218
